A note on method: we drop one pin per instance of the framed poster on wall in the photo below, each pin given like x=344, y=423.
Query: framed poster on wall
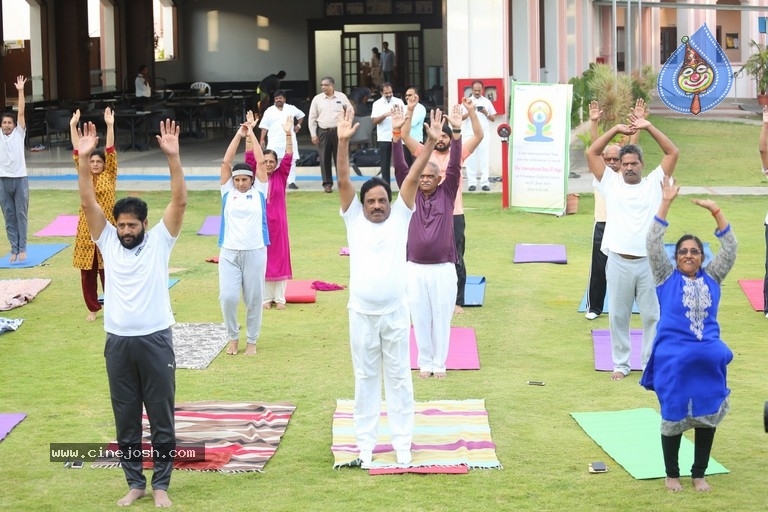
x=493, y=89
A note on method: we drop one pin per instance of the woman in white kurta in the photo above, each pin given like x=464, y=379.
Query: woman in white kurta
x=243, y=240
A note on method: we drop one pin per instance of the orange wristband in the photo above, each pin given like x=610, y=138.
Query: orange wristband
x=714, y=213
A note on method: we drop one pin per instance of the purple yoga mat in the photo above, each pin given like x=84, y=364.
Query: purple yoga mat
x=601, y=339
x=462, y=350
x=540, y=253
x=63, y=225
x=8, y=421
x=211, y=226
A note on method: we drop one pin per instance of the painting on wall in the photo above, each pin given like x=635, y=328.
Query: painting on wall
x=493, y=89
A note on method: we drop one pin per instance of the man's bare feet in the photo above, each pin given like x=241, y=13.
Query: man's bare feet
x=250, y=349
x=617, y=376
x=161, y=498
x=232, y=348
x=673, y=484
x=458, y=310
x=701, y=485
x=13, y=257
x=91, y=316
x=279, y=306
x=268, y=305
x=133, y=495
x=425, y=374
x=22, y=255
x=440, y=375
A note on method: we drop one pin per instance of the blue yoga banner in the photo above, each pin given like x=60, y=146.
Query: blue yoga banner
x=697, y=76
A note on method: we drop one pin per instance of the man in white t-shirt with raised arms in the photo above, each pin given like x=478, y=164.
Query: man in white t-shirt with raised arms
x=273, y=135
x=379, y=322
x=137, y=315
x=631, y=201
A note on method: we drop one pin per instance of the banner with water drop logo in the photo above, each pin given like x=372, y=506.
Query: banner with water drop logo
x=697, y=76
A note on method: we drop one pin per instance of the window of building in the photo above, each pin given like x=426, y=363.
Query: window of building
x=166, y=31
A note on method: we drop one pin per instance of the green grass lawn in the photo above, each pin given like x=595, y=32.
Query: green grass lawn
x=52, y=368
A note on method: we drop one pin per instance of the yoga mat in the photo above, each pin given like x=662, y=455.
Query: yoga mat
x=63, y=225
x=474, y=291
x=632, y=438
x=300, y=291
x=447, y=433
x=601, y=342
x=583, y=304
x=753, y=289
x=238, y=436
x=344, y=251
x=462, y=350
x=15, y=293
x=171, y=282
x=36, y=255
x=8, y=421
x=211, y=226
x=196, y=345
x=540, y=253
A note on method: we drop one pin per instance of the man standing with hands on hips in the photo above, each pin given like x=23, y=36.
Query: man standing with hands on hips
x=324, y=113
x=479, y=161
x=381, y=114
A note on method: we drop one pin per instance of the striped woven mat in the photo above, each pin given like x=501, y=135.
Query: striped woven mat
x=238, y=436
x=446, y=433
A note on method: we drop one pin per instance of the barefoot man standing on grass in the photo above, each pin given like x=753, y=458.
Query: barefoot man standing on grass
x=137, y=315
x=377, y=232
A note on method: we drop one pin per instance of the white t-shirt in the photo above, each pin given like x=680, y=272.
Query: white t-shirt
x=13, y=164
x=380, y=107
x=272, y=121
x=630, y=211
x=136, y=297
x=244, y=217
x=485, y=123
x=142, y=90
x=377, y=264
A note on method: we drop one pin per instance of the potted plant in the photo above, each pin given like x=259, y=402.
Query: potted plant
x=756, y=66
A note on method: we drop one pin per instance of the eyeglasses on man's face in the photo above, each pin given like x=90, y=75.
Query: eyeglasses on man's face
x=685, y=250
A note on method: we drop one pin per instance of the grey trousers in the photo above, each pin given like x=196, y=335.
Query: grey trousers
x=14, y=200
x=630, y=281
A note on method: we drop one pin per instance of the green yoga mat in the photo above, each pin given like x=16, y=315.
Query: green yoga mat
x=632, y=439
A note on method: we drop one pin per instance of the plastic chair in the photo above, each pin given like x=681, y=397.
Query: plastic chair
x=364, y=134
x=57, y=123
x=202, y=88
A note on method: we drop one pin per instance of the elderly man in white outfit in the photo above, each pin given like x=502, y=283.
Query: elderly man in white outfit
x=381, y=113
x=377, y=234
x=478, y=163
x=631, y=202
x=271, y=125
x=243, y=240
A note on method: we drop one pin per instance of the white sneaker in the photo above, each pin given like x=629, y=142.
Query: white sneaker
x=591, y=315
x=404, y=457
x=766, y=315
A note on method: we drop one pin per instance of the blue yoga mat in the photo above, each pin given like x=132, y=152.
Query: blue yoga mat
x=583, y=304
x=474, y=291
x=36, y=255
